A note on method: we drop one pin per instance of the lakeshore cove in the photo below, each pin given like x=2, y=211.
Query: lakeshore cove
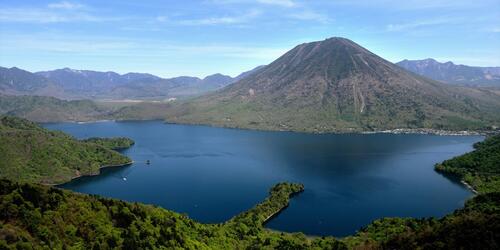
x=212, y=174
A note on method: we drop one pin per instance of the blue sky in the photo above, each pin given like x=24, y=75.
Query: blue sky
x=197, y=38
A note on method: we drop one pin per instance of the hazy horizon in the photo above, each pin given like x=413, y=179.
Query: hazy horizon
x=209, y=74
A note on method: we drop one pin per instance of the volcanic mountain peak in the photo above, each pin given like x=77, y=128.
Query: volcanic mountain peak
x=320, y=71
x=329, y=50
x=336, y=57
x=337, y=85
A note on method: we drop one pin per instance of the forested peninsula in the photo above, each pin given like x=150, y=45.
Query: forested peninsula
x=31, y=153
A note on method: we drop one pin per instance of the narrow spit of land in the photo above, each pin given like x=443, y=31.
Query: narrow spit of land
x=278, y=199
x=71, y=219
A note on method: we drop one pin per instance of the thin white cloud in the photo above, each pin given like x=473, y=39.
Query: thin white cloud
x=141, y=48
x=44, y=16
x=162, y=18
x=237, y=19
x=64, y=44
x=420, y=24
x=415, y=4
x=54, y=13
x=212, y=21
x=495, y=30
x=65, y=5
x=283, y=3
x=309, y=15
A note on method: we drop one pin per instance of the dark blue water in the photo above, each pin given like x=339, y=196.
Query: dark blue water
x=213, y=174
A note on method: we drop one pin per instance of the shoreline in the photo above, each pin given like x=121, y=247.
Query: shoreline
x=276, y=213
x=422, y=131
x=272, y=215
x=411, y=131
x=91, y=174
x=96, y=121
x=428, y=131
x=468, y=186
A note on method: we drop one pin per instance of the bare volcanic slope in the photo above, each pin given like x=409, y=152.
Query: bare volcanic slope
x=336, y=85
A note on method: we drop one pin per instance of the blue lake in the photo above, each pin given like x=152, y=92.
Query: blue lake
x=212, y=174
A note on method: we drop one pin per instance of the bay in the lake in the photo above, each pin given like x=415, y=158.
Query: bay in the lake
x=213, y=174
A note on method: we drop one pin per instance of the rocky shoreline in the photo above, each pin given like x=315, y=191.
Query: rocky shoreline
x=469, y=187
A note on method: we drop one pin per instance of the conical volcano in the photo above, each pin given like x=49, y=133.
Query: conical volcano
x=336, y=85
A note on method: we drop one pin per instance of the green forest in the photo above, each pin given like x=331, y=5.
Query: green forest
x=480, y=168
x=117, y=143
x=38, y=216
x=33, y=154
x=41, y=217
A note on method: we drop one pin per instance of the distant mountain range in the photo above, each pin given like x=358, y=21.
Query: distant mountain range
x=455, y=74
x=336, y=85
x=85, y=84
x=333, y=85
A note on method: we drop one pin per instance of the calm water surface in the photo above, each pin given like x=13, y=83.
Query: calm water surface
x=213, y=174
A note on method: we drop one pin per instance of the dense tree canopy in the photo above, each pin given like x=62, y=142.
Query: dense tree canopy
x=480, y=168
x=34, y=154
x=40, y=217
x=116, y=143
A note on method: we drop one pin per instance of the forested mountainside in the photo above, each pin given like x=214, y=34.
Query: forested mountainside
x=50, y=109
